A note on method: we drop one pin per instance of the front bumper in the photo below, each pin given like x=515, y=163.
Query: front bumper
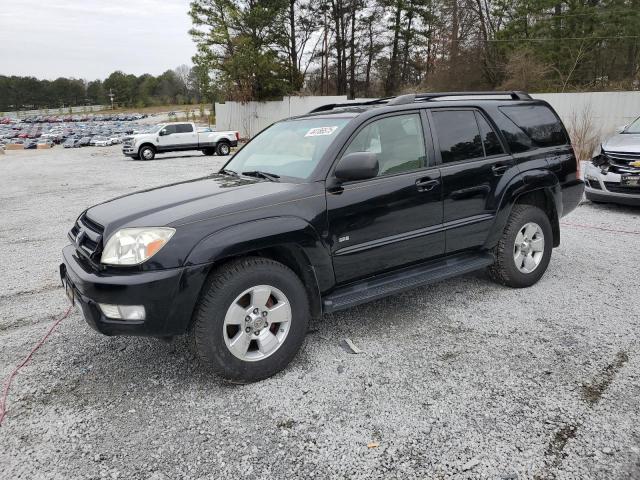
x=169, y=296
x=129, y=150
x=598, y=187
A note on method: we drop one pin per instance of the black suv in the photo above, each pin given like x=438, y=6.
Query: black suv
x=324, y=211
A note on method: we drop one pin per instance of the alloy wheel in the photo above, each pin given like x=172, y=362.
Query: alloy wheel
x=528, y=248
x=257, y=323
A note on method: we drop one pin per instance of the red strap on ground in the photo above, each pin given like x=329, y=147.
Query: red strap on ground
x=9, y=380
x=605, y=229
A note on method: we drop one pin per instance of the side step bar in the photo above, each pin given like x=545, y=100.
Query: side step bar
x=405, y=279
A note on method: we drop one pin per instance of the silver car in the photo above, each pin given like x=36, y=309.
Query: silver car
x=613, y=175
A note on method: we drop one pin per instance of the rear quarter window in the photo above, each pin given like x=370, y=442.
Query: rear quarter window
x=537, y=126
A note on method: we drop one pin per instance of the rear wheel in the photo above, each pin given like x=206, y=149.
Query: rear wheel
x=251, y=319
x=147, y=153
x=223, y=149
x=524, y=251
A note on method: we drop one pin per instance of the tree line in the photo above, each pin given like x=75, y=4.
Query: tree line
x=263, y=49
x=182, y=85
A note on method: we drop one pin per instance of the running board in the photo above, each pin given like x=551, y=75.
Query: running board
x=405, y=279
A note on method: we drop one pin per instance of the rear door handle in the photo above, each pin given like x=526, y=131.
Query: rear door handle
x=498, y=170
x=426, y=184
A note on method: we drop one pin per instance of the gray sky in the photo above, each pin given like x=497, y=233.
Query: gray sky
x=92, y=38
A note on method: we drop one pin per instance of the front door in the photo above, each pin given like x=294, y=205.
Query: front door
x=394, y=219
x=473, y=163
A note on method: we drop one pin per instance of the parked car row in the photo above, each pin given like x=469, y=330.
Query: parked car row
x=88, y=133
x=122, y=117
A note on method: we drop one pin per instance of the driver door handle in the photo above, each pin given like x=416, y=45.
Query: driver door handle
x=426, y=184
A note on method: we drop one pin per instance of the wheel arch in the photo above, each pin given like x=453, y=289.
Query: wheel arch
x=539, y=188
x=147, y=144
x=289, y=240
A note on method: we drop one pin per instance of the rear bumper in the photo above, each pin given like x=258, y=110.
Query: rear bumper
x=572, y=193
x=169, y=296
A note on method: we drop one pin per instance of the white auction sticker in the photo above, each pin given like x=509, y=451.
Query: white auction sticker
x=317, y=132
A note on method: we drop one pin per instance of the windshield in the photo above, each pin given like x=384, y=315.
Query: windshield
x=291, y=149
x=634, y=127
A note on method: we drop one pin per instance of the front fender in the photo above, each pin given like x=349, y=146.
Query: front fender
x=287, y=232
x=527, y=182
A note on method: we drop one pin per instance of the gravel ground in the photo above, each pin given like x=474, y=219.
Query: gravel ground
x=461, y=379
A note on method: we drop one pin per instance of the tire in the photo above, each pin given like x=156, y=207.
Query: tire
x=534, y=256
x=227, y=313
x=147, y=153
x=209, y=151
x=223, y=148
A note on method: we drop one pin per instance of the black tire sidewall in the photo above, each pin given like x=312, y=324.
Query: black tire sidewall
x=209, y=318
x=522, y=217
x=222, y=145
x=141, y=153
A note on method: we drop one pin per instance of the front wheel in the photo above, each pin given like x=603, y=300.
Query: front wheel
x=251, y=319
x=524, y=251
x=147, y=153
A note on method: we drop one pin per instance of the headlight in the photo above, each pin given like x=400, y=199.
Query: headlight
x=132, y=246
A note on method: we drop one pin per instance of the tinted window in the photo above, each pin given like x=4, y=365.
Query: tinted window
x=397, y=141
x=489, y=138
x=458, y=135
x=170, y=129
x=184, y=128
x=538, y=123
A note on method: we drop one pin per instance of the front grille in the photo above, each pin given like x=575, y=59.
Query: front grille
x=86, y=235
x=620, y=162
x=617, y=188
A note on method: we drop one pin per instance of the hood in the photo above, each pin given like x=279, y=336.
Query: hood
x=188, y=201
x=623, y=143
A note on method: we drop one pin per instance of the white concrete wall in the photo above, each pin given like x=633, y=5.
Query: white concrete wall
x=608, y=109
x=252, y=117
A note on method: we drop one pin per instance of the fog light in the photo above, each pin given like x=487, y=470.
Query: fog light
x=123, y=312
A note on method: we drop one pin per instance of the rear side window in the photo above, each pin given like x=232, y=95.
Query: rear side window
x=492, y=145
x=458, y=135
x=538, y=123
x=184, y=128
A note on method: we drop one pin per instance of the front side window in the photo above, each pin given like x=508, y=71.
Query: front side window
x=397, y=141
x=292, y=148
x=458, y=135
x=169, y=129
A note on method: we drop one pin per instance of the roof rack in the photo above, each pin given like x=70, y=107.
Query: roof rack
x=421, y=97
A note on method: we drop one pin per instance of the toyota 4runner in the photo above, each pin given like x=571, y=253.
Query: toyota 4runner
x=324, y=211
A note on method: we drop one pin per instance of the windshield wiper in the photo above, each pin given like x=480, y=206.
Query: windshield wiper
x=260, y=174
x=226, y=171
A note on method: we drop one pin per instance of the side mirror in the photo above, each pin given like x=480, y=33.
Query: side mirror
x=621, y=129
x=357, y=166
x=163, y=132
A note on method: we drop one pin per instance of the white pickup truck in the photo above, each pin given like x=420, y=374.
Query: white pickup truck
x=178, y=137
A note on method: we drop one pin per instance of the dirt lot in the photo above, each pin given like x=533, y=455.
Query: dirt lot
x=461, y=379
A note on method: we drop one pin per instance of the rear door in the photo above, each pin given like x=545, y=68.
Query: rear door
x=394, y=219
x=187, y=137
x=473, y=162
